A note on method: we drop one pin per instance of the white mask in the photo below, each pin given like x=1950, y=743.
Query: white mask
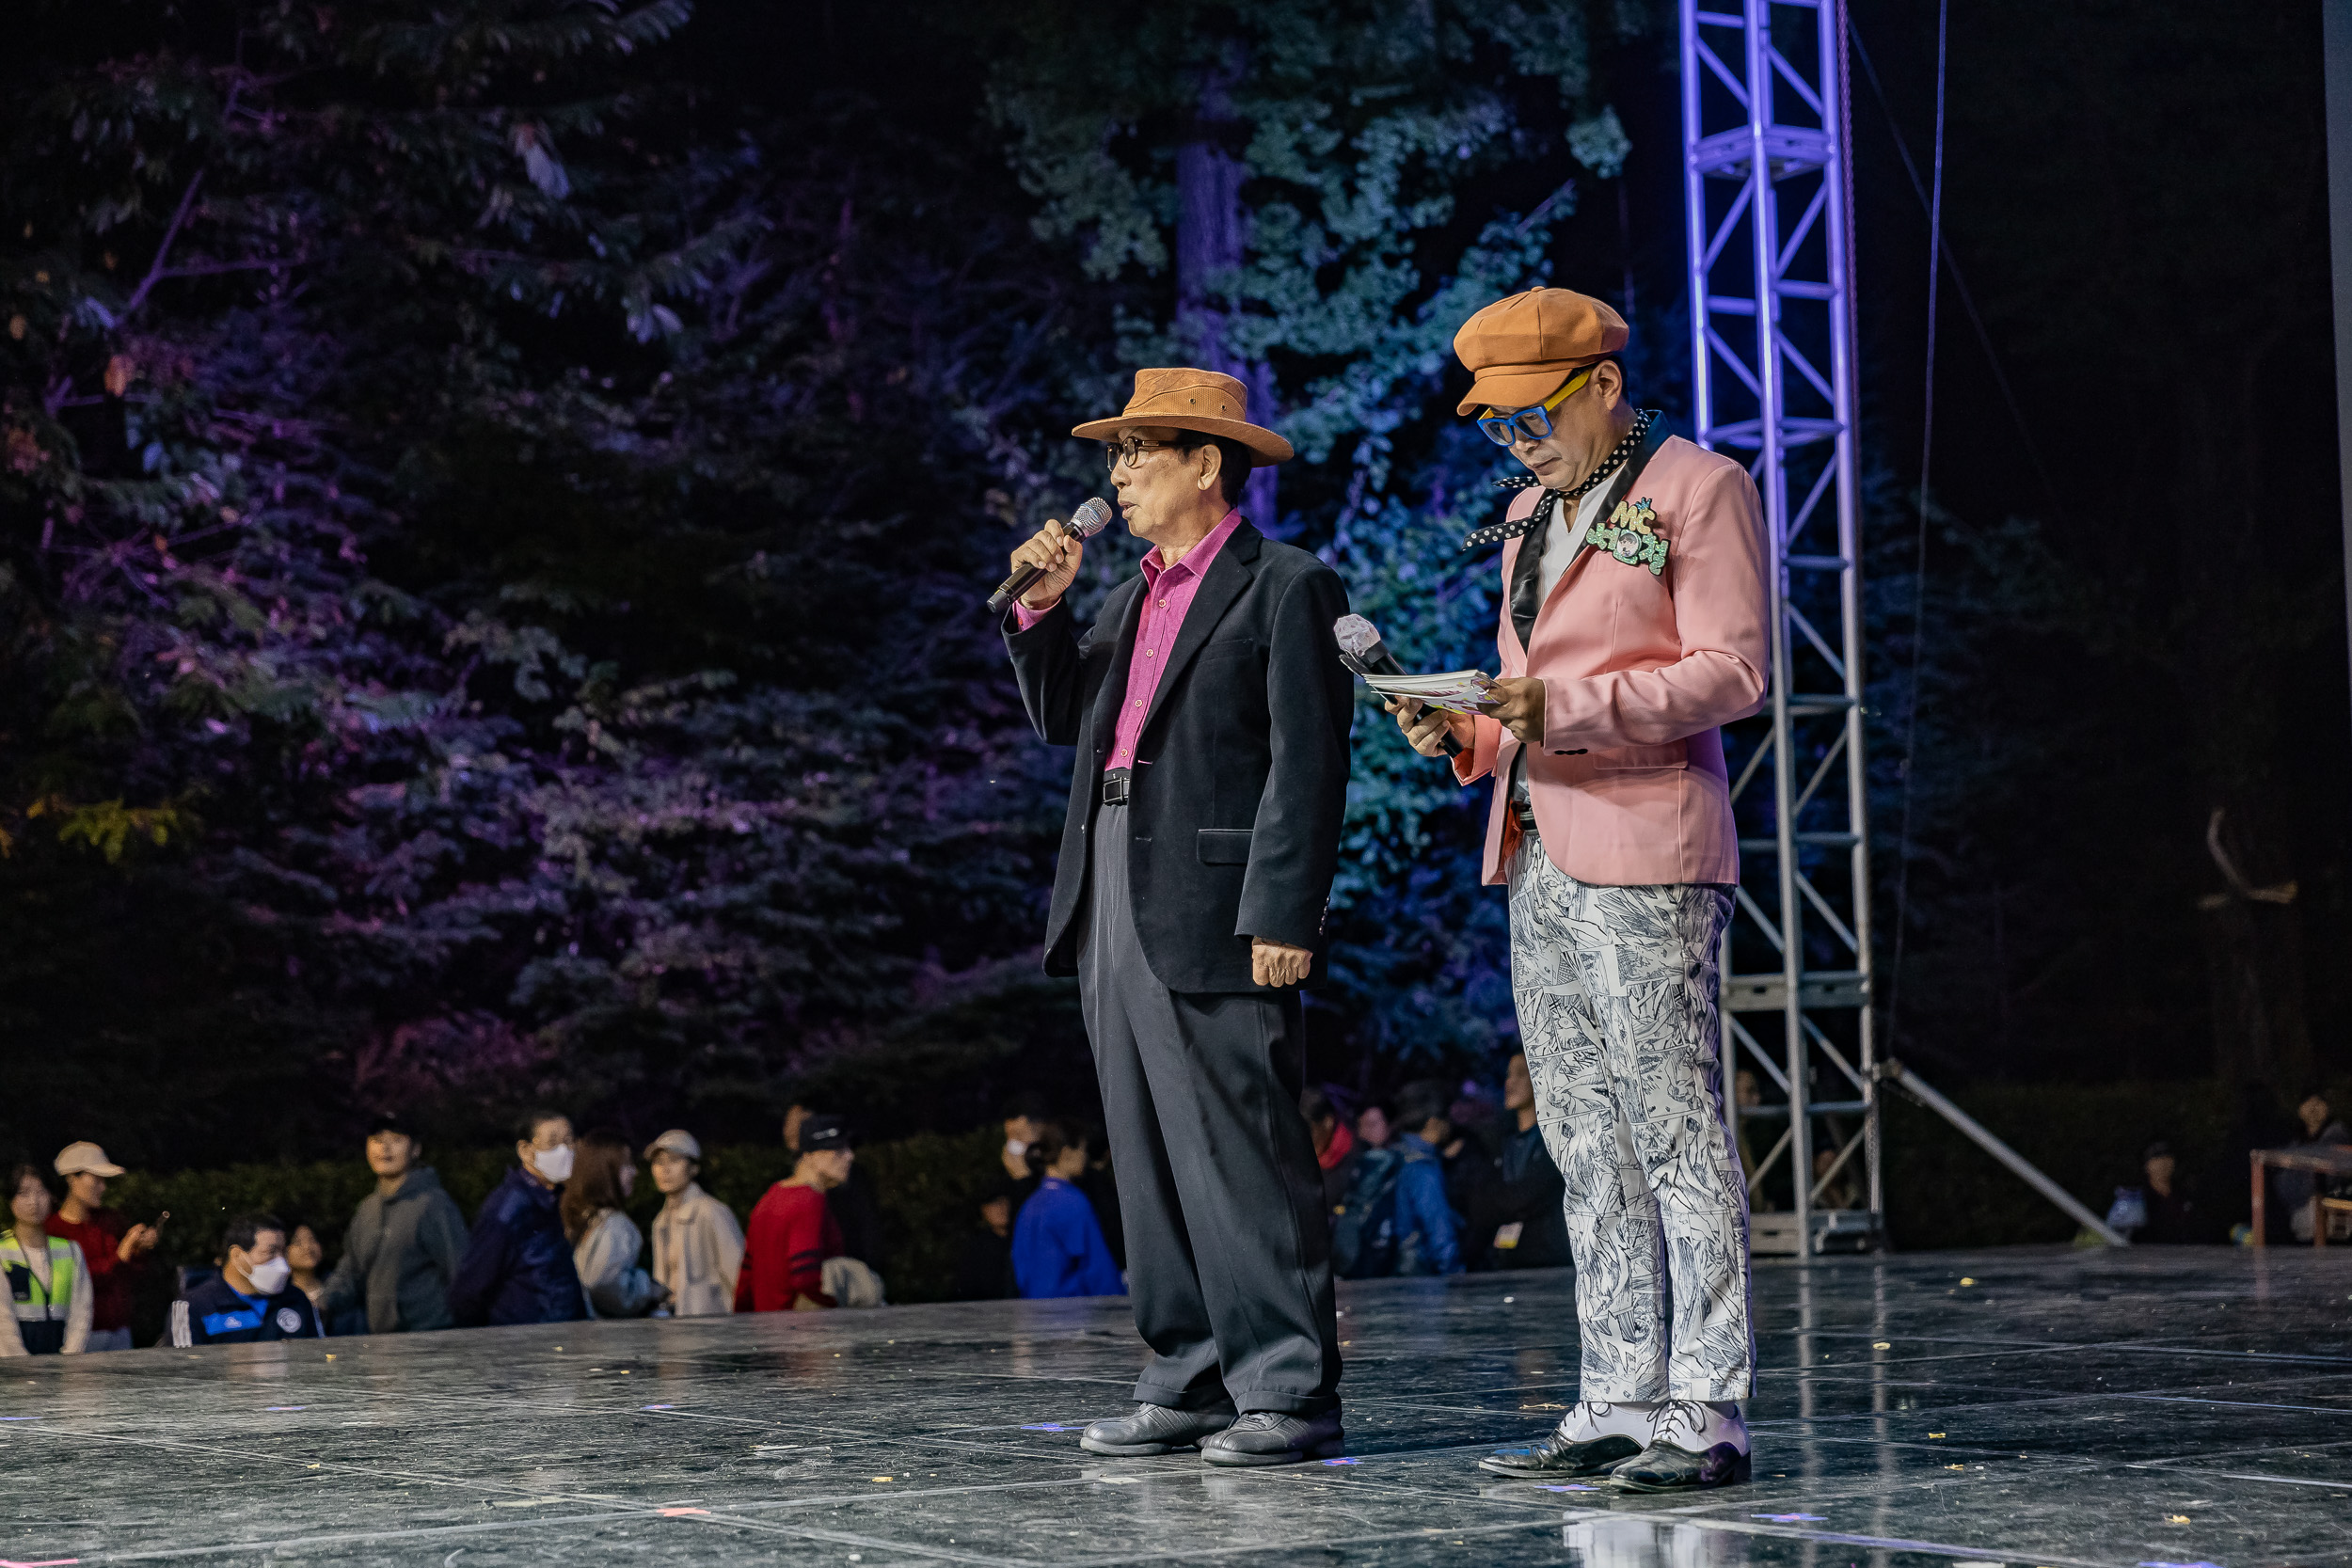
x=553, y=1163
x=270, y=1278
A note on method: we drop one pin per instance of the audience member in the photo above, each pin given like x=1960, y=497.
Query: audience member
x=1472, y=1115
x=1363, y=1222
x=304, y=1255
x=2321, y=1125
x=1333, y=1144
x=1058, y=1245
x=115, y=1248
x=1471, y=1157
x=252, y=1298
x=606, y=1242
x=402, y=1248
x=2295, y=1189
x=1426, y=1228
x=984, y=1267
x=793, y=1233
x=1024, y=1116
x=697, y=1247
x=1531, y=1225
x=854, y=1206
x=2172, y=1215
x=517, y=1266
x=48, y=1277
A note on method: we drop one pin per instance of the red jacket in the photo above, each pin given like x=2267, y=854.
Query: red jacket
x=784, y=1247
x=101, y=1240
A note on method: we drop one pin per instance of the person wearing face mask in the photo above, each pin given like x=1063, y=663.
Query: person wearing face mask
x=517, y=1267
x=49, y=1289
x=253, y=1297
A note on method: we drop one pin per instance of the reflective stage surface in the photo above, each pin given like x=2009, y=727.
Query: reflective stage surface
x=2163, y=1406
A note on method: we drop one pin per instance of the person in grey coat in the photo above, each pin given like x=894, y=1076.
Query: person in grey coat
x=402, y=1247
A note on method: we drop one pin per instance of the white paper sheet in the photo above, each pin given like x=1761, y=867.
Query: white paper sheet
x=1456, y=690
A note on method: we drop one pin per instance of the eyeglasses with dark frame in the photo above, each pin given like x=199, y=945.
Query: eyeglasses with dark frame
x=1130, y=451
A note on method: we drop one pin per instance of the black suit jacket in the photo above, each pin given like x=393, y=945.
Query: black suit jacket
x=1241, y=774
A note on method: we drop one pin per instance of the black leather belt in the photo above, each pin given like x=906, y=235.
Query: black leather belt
x=1115, y=785
x=1525, y=814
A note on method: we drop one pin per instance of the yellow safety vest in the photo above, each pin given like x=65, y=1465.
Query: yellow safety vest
x=33, y=1303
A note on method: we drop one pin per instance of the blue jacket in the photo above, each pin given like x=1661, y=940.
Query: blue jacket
x=1425, y=1224
x=210, y=1314
x=1057, y=1247
x=517, y=1267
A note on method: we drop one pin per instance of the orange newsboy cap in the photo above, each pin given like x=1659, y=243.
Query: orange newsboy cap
x=1519, y=350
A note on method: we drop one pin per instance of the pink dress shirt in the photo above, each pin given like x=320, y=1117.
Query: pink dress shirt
x=1168, y=594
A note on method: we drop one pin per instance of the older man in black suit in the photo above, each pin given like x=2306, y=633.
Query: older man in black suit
x=1210, y=713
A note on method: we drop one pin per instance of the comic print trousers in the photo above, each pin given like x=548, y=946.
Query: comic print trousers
x=1616, y=992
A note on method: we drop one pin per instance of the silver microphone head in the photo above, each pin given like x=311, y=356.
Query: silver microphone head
x=1090, y=519
x=1357, y=636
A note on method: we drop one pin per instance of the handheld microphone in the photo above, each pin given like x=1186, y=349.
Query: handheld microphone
x=1362, y=650
x=1088, y=521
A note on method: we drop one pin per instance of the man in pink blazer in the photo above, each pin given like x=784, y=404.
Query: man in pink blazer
x=1634, y=625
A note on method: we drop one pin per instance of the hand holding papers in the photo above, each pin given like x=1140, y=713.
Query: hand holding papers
x=1362, y=650
x=1456, y=690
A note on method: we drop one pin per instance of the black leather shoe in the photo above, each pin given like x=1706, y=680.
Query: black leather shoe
x=1663, y=1467
x=1273, y=1438
x=1556, y=1455
x=1153, y=1428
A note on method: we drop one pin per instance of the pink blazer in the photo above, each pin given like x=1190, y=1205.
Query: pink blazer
x=1630, y=787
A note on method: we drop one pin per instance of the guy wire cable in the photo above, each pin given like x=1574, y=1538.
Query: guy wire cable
x=1919, y=573
x=1952, y=263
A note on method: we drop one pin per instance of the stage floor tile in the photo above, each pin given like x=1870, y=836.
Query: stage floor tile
x=2041, y=1409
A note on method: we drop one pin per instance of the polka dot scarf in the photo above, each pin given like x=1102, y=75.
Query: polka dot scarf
x=1541, y=517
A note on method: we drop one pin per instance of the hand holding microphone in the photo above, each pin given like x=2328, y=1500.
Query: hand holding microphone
x=1044, y=565
x=1430, y=731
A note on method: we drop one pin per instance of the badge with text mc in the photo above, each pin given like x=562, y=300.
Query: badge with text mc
x=1631, y=535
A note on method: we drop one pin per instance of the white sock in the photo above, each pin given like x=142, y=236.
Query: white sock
x=1591, y=1419
x=1697, y=1425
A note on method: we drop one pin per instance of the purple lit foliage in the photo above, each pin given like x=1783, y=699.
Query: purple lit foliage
x=469, y=639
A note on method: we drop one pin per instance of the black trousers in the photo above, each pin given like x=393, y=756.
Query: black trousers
x=1229, y=1248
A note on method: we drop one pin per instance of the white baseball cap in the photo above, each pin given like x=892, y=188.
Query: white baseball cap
x=677, y=1141
x=75, y=1159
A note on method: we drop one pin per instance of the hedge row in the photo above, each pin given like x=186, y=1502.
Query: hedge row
x=1941, y=1190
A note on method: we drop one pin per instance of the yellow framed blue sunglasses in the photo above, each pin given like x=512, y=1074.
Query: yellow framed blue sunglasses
x=1533, y=422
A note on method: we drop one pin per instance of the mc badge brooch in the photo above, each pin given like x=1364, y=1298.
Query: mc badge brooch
x=1631, y=535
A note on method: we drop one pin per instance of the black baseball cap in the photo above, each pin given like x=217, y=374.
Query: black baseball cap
x=822, y=1133
x=390, y=1121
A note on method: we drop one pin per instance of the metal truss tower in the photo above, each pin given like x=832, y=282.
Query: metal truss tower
x=1765, y=175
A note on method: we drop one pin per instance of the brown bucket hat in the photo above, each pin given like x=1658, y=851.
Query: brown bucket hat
x=1188, y=399
x=1519, y=350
